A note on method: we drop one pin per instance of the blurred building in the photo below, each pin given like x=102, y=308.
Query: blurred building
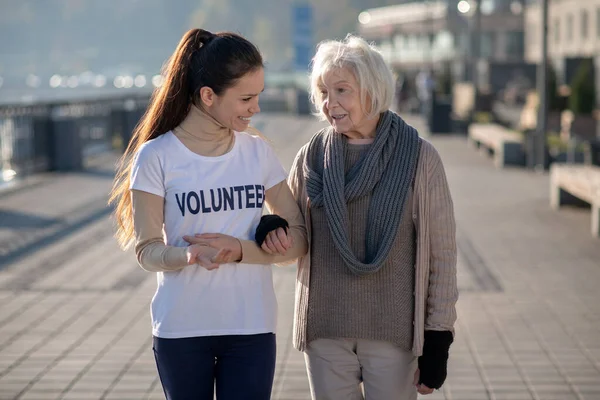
x=573, y=35
x=431, y=34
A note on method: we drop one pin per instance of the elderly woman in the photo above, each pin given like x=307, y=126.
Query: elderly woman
x=376, y=294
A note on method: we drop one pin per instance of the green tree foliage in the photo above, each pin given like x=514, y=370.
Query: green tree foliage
x=583, y=90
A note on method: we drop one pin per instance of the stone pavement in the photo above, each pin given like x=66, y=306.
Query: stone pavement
x=74, y=317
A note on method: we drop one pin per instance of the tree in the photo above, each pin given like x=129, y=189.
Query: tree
x=583, y=90
x=444, y=80
x=552, y=89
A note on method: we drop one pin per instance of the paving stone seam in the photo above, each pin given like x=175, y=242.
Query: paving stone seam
x=281, y=372
x=510, y=351
x=475, y=263
x=71, y=222
x=25, y=280
x=583, y=348
x=141, y=314
x=19, y=312
x=73, y=345
x=50, y=336
x=476, y=360
x=37, y=322
x=143, y=348
x=542, y=342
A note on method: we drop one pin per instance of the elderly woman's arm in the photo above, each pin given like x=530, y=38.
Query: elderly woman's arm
x=443, y=291
x=281, y=202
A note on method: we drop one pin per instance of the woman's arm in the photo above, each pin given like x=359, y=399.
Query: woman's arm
x=152, y=253
x=285, y=199
x=280, y=201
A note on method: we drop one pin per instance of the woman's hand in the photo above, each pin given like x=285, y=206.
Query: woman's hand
x=219, y=242
x=277, y=242
x=207, y=257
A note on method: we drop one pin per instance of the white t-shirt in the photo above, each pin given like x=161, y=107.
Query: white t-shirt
x=222, y=194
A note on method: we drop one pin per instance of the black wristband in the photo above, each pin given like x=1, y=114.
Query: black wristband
x=433, y=364
x=267, y=224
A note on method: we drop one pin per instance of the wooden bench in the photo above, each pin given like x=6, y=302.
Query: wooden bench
x=573, y=183
x=504, y=145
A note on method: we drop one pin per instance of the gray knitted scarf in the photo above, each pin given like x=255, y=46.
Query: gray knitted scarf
x=386, y=171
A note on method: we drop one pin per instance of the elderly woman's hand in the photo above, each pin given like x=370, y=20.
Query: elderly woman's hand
x=277, y=242
x=433, y=363
x=421, y=388
x=272, y=235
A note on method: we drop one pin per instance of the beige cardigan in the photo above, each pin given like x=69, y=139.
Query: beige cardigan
x=436, y=289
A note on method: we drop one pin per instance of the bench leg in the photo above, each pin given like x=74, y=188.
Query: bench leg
x=472, y=142
x=499, y=158
x=509, y=154
x=596, y=220
x=560, y=197
x=555, y=196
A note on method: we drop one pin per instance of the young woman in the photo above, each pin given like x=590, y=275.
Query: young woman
x=192, y=168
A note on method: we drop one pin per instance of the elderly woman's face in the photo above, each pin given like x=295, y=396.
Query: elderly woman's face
x=340, y=97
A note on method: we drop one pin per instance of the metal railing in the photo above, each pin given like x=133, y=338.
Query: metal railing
x=61, y=136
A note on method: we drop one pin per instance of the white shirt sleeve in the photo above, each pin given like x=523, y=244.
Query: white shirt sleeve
x=147, y=172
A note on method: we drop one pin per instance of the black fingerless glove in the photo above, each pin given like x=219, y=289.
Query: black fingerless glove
x=267, y=224
x=433, y=364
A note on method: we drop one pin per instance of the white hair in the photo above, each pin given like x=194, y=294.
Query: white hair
x=375, y=80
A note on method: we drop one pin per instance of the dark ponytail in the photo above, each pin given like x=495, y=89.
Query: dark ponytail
x=200, y=59
x=225, y=58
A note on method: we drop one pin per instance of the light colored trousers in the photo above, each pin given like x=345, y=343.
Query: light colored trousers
x=337, y=367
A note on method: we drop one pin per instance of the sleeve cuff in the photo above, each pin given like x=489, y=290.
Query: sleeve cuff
x=252, y=254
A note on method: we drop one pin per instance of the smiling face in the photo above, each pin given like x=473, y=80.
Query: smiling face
x=236, y=105
x=341, y=104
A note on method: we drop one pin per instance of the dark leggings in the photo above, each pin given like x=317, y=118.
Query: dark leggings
x=239, y=366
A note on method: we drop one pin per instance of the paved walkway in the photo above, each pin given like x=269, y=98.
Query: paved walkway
x=74, y=320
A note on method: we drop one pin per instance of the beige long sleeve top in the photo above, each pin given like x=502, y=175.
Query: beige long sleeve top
x=436, y=290
x=205, y=136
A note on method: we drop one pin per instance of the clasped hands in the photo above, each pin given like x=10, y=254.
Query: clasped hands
x=209, y=250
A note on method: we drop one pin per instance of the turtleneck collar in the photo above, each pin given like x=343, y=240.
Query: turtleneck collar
x=203, y=134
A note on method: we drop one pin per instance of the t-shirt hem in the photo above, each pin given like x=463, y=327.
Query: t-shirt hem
x=178, y=335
